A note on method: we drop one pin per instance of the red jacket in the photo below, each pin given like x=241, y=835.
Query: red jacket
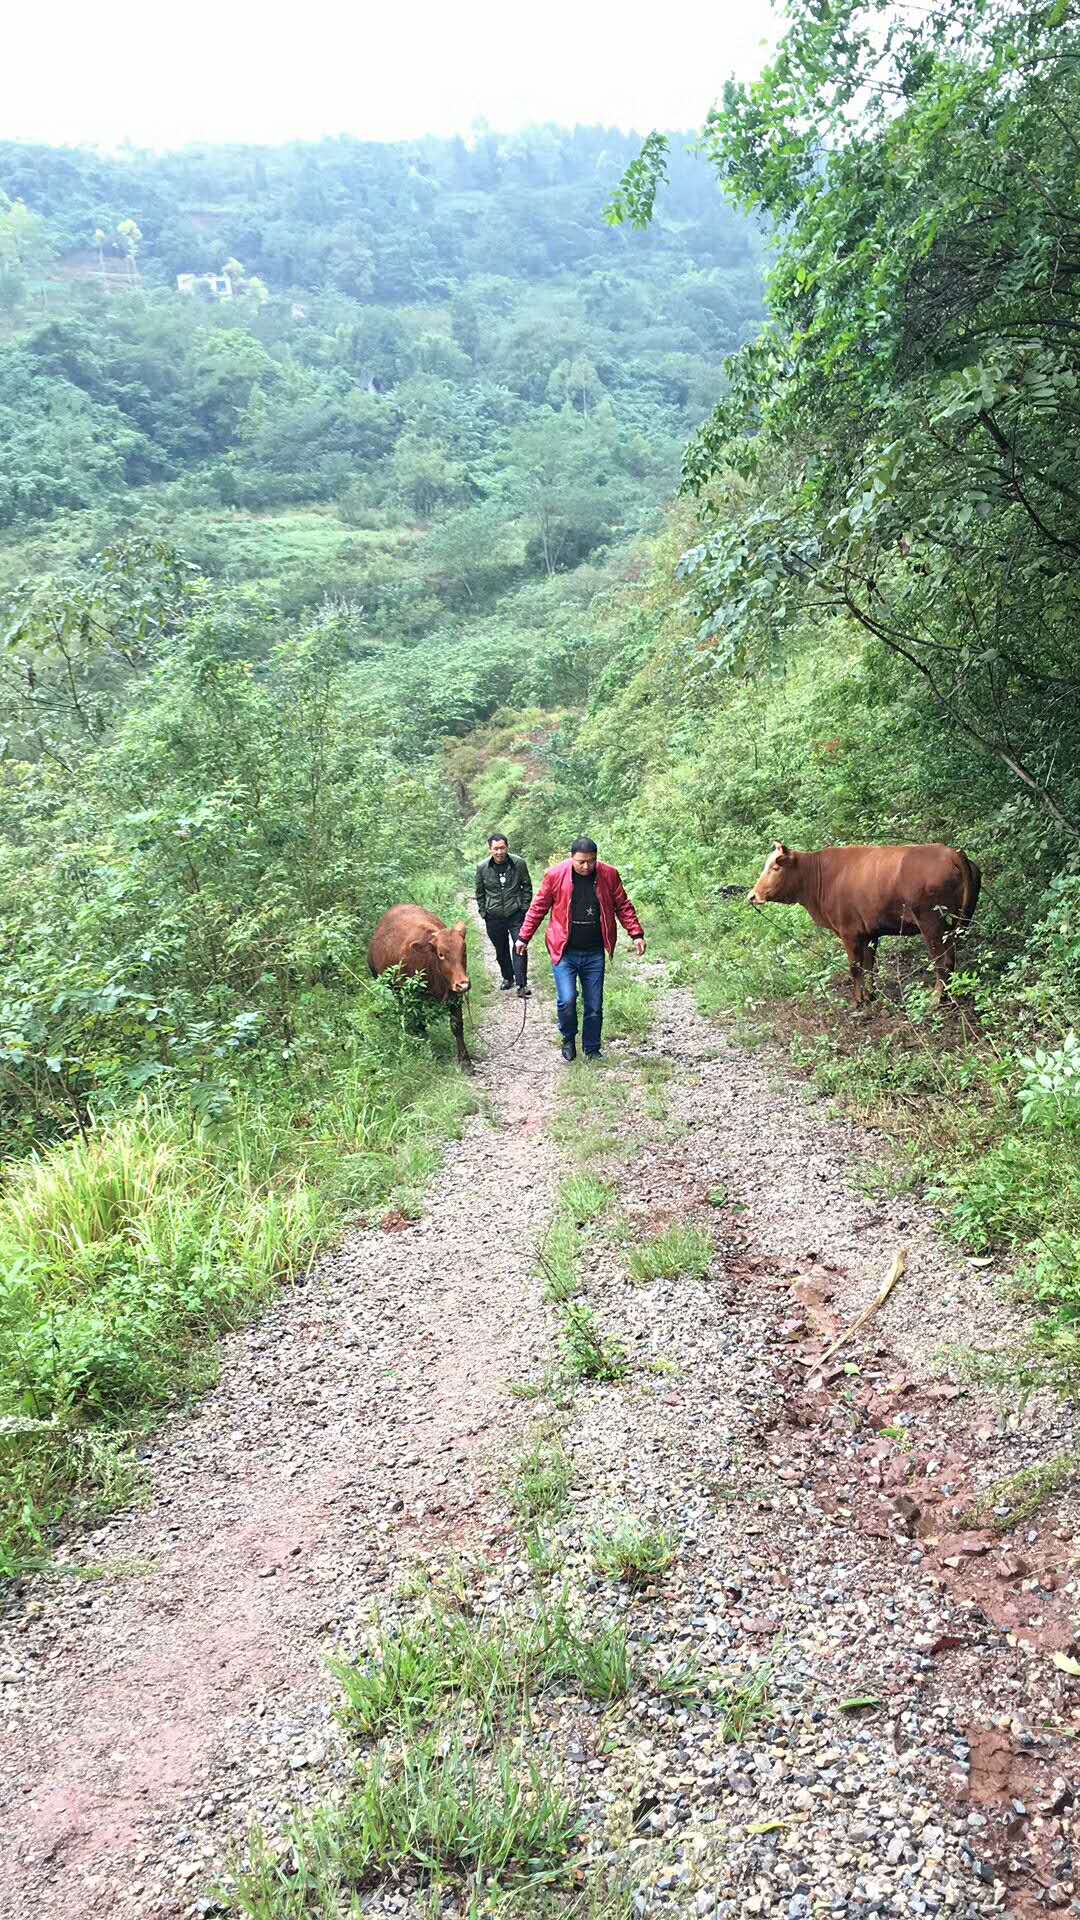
x=557, y=892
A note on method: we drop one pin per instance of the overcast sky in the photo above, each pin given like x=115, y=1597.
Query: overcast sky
x=102, y=71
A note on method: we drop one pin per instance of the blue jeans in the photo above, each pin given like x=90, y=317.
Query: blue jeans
x=588, y=967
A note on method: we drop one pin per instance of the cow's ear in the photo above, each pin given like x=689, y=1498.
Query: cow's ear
x=780, y=849
x=460, y=928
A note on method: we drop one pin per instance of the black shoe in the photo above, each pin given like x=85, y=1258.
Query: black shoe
x=505, y=986
x=569, y=1050
x=524, y=993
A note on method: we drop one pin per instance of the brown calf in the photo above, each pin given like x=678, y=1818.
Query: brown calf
x=422, y=947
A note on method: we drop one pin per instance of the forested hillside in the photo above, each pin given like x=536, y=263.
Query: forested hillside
x=266, y=543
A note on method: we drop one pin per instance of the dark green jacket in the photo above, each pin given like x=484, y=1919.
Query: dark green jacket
x=501, y=901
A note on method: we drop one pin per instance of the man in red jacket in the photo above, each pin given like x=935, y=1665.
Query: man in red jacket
x=585, y=898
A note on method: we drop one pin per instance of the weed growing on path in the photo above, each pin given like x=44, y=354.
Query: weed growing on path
x=742, y=1704
x=1013, y=1502
x=634, y=1554
x=443, y=1661
x=438, y=1815
x=589, y=1355
x=681, y=1251
x=557, y=1259
x=543, y=1556
x=583, y=1197
x=541, y=1484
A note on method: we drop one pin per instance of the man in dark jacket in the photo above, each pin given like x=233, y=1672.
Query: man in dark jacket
x=503, y=895
x=586, y=899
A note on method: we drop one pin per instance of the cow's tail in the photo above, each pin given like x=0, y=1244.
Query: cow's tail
x=970, y=897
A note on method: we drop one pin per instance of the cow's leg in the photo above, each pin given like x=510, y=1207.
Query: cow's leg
x=939, y=947
x=869, y=959
x=457, y=1028
x=855, y=948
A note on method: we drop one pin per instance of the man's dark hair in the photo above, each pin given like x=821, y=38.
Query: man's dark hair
x=492, y=837
x=583, y=844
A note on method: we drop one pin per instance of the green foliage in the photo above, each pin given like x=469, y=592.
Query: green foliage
x=541, y=1484
x=296, y=390
x=907, y=426
x=434, y=1813
x=584, y=1197
x=635, y=198
x=1016, y=1501
x=634, y=1554
x=123, y=1255
x=559, y=1259
x=443, y=1662
x=681, y=1251
x=589, y=1354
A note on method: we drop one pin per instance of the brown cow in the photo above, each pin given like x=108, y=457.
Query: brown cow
x=413, y=940
x=859, y=893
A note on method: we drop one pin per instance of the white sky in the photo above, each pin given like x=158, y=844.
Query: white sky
x=101, y=71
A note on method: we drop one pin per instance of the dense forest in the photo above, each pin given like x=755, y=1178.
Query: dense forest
x=353, y=545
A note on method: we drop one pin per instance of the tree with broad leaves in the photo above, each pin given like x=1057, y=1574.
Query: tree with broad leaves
x=902, y=442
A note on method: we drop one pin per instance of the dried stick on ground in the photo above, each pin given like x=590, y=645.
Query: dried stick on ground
x=898, y=1266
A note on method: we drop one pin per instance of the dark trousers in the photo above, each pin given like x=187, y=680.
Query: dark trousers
x=502, y=933
x=588, y=967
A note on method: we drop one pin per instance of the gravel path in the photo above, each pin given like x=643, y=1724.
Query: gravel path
x=819, y=1526
x=360, y=1425
x=365, y=1423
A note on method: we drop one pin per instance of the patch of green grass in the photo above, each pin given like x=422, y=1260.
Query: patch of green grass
x=629, y=1004
x=634, y=1554
x=681, y=1251
x=544, y=1557
x=583, y=1197
x=589, y=1355
x=541, y=1485
x=1022, y=1494
x=557, y=1258
x=682, y=1680
x=439, y=1815
x=444, y=1662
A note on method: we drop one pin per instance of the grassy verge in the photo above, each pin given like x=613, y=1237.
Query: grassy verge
x=125, y=1255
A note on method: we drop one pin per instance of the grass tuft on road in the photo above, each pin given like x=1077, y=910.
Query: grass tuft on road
x=440, y=1816
x=445, y=1662
x=633, y=1554
x=681, y=1251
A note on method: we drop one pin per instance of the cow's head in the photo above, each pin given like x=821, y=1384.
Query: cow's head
x=778, y=879
x=449, y=943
